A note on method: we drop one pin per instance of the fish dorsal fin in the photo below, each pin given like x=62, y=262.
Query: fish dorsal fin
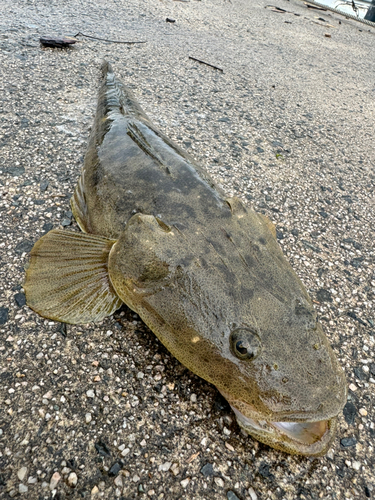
x=79, y=205
x=67, y=279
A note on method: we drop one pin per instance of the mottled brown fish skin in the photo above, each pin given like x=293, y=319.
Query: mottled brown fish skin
x=196, y=267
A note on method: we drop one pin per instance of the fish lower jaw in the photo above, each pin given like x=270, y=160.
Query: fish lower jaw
x=299, y=438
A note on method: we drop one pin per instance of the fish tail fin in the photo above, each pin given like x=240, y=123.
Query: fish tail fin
x=67, y=279
x=115, y=97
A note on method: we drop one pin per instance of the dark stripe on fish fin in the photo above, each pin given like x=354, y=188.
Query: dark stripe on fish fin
x=67, y=279
x=79, y=205
x=115, y=97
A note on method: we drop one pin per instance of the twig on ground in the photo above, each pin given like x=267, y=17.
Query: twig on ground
x=207, y=64
x=105, y=39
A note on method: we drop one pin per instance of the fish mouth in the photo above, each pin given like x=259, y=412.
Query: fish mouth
x=299, y=438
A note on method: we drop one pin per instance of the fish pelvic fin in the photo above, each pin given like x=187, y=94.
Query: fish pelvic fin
x=67, y=279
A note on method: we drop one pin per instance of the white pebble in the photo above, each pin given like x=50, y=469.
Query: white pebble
x=252, y=494
x=90, y=393
x=72, y=479
x=125, y=452
x=21, y=474
x=185, y=482
x=356, y=465
x=219, y=482
x=23, y=488
x=193, y=398
x=88, y=418
x=204, y=442
x=140, y=375
x=352, y=387
x=165, y=467
x=135, y=478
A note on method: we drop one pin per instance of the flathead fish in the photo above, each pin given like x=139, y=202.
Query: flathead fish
x=204, y=272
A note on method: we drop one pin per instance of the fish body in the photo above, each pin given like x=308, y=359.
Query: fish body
x=204, y=272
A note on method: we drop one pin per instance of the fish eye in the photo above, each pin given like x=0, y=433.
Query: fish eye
x=245, y=343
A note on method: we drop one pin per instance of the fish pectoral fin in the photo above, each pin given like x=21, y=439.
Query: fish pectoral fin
x=67, y=279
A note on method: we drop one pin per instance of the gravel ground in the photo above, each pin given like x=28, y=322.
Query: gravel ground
x=103, y=410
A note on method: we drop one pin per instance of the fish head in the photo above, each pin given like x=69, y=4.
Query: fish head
x=234, y=312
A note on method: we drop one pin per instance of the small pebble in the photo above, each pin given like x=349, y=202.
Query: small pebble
x=3, y=315
x=165, y=467
x=252, y=494
x=363, y=412
x=185, y=482
x=219, y=482
x=118, y=481
x=348, y=442
x=20, y=299
x=72, y=479
x=141, y=488
x=229, y=446
x=193, y=398
x=22, y=488
x=90, y=393
x=135, y=478
x=232, y=496
x=54, y=480
x=21, y=474
x=175, y=469
x=356, y=465
x=115, y=469
x=207, y=470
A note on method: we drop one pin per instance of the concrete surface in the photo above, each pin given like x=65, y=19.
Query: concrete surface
x=103, y=411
